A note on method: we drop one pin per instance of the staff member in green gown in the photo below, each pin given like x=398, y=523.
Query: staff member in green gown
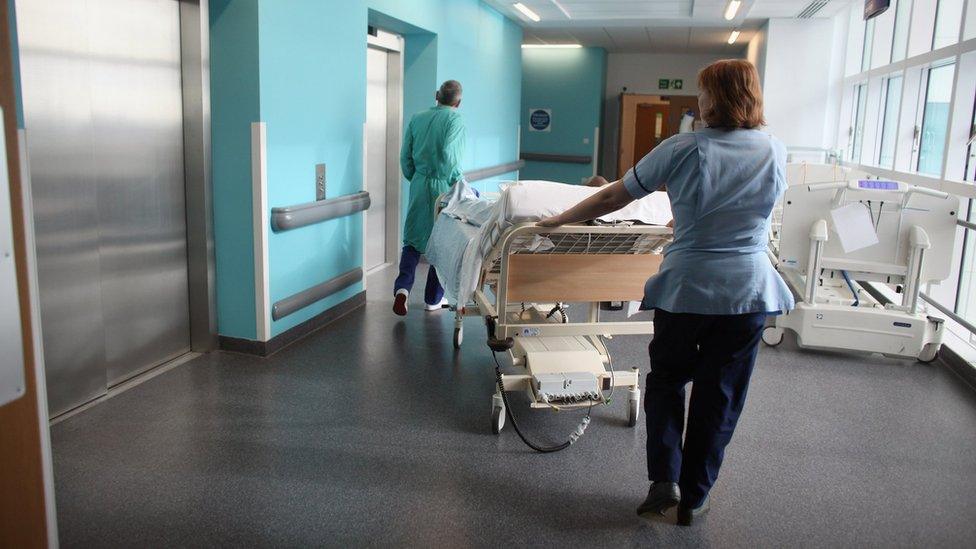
x=431, y=161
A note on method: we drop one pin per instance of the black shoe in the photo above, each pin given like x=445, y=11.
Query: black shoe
x=687, y=515
x=660, y=497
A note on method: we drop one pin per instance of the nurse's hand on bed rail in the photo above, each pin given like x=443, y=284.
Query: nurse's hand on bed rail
x=610, y=198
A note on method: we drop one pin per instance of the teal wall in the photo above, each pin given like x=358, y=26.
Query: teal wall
x=235, y=103
x=300, y=67
x=570, y=82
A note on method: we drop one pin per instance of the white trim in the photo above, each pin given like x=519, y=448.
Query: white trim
x=363, y=216
x=518, y=148
x=40, y=378
x=596, y=149
x=259, y=210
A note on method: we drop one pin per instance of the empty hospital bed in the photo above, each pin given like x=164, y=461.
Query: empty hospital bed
x=515, y=275
x=907, y=235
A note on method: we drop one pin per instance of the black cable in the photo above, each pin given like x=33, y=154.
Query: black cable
x=511, y=417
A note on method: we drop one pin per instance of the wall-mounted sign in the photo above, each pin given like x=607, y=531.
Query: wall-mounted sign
x=874, y=8
x=663, y=84
x=540, y=120
x=677, y=84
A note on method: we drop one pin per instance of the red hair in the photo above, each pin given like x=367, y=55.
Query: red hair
x=736, y=98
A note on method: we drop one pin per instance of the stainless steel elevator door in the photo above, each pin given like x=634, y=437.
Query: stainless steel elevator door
x=377, y=85
x=102, y=98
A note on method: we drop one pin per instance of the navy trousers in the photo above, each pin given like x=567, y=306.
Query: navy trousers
x=409, y=258
x=716, y=353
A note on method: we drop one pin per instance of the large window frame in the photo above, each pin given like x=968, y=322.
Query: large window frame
x=924, y=52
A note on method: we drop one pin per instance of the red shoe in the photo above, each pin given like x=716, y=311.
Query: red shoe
x=400, y=303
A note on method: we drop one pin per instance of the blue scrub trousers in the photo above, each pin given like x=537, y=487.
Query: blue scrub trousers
x=409, y=258
x=716, y=353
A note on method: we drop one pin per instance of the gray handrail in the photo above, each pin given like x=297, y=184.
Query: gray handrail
x=491, y=171
x=318, y=292
x=966, y=224
x=565, y=158
x=286, y=218
x=946, y=311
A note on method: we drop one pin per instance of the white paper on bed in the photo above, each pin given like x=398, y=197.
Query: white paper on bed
x=521, y=202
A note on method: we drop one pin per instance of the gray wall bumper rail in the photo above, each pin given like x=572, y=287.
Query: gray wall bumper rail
x=318, y=292
x=485, y=173
x=286, y=218
x=564, y=158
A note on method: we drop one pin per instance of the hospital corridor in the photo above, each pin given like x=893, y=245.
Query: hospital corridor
x=485, y=273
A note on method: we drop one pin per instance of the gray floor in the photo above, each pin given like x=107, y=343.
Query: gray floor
x=374, y=432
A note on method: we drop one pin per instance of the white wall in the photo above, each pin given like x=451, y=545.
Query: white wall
x=639, y=73
x=799, y=81
x=756, y=51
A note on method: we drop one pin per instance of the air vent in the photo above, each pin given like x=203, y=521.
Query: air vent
x=812, y=9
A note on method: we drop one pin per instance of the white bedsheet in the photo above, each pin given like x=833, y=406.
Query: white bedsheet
x=468, y=227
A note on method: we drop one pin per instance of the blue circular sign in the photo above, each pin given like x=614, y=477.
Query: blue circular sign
x=539, y=119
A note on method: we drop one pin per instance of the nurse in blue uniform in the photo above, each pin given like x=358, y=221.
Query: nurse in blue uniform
x=715, y=286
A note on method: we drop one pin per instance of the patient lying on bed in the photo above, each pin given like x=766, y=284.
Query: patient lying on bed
x=468, y=226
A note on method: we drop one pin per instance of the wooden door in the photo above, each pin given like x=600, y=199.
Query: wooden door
x=653, y=125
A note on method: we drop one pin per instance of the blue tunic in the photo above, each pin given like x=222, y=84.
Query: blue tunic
x=722, y=185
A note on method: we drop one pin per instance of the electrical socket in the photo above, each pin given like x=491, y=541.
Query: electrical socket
x=320, y=182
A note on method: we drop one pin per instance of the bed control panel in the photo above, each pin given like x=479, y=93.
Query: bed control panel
x=567, y=387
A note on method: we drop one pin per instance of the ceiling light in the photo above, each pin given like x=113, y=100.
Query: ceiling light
x=733, y=37
x=532, y=46
x=562, y=9
x=732, y=9
x=526, y=11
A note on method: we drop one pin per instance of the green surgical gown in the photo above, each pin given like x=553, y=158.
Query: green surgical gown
x=431, y=161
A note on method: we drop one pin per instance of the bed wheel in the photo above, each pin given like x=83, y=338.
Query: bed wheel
x=929, y=353
x=772, y=336
x=633, y=407
x=497, y=414
x=458, y=337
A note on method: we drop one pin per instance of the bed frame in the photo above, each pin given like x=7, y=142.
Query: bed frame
x=521, y=290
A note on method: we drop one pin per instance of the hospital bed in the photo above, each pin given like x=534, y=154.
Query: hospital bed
x=840, y=303
x=524, y=273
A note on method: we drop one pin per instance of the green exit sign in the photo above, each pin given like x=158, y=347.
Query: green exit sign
x=677, y=84
x=663, y=83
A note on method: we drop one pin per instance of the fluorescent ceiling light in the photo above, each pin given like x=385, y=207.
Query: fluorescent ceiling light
x=527, y=12
x=733, y=37
x=528, y=46
x=562, y=9
x=732, y=9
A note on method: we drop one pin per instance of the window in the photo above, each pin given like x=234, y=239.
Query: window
x=889, y=121
x=948, y=16
x=868, y=45
x=966, y=297
x=935, y=119
x=857, y=130
x=970, y=30
x=899, y=41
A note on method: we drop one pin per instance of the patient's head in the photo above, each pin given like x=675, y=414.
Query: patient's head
x=729, y=95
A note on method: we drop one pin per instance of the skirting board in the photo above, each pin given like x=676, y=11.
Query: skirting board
x=282, y=340
x=959, y=366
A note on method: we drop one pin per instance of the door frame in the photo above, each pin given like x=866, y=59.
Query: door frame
x=195, y=61
x=392, y=44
